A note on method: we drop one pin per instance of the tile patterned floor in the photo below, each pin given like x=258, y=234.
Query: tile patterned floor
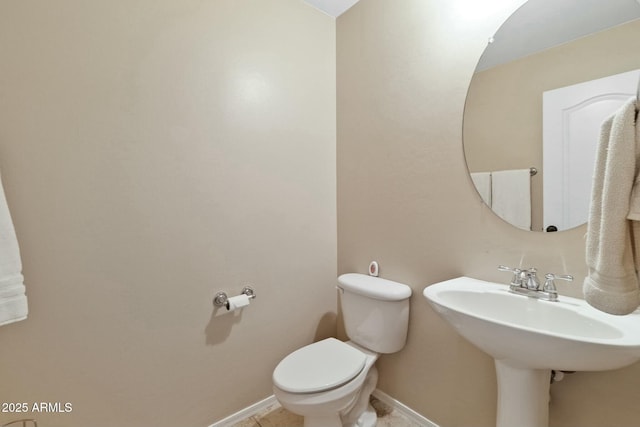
x=276, y=416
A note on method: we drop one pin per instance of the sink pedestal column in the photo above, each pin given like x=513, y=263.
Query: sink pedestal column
x=523, y=396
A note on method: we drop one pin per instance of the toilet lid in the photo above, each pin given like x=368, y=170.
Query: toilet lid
x=319, y=366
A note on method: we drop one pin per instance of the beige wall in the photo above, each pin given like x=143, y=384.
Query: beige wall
x=405, y=199
x=503, y=113
x=156, y=152
x=153, y=153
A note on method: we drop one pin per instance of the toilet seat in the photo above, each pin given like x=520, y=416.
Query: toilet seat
x=319, y=366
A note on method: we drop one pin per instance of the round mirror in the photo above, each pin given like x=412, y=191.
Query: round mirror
x=552, y=73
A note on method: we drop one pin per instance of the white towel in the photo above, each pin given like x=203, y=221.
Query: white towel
x=634, y=201
x=612, y=283
x=482, y=181
x=13, y=301
x=511, y=196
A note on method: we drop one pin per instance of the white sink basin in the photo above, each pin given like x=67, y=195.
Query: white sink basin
x=528, y=337
x=567, y=334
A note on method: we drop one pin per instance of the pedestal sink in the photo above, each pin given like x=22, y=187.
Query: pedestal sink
x=529, y=337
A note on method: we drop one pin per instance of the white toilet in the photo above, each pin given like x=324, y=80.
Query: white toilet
x=329, y=382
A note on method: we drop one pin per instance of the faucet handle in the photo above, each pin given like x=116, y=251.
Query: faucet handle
x=516, y=280
x=566, y=277
x=552, y=276
x=549, y=284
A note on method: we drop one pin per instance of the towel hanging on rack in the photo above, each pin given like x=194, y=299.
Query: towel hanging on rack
x=612, y=283
x=13, y=301
x=511, y=196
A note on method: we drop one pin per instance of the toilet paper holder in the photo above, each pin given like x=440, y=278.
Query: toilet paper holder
x=222, y=300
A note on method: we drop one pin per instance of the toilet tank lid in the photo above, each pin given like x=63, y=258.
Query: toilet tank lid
x=374, y=287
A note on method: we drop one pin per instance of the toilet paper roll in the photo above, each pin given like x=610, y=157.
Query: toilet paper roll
x=237, y=302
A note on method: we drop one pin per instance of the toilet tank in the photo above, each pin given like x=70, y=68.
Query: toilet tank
x=375, y=311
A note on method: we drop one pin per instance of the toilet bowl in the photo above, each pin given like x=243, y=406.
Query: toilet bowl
x=329, y=382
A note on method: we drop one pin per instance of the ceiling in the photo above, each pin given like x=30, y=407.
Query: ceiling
x=537, y=25
x=333, y=8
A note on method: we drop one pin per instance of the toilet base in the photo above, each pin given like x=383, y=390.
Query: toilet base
x=369, y=418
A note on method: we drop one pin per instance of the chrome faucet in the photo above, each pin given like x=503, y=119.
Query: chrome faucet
x=533, y=283
x=526, y=282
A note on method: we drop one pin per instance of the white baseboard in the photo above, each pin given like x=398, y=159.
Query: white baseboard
x=247, y=412
x=403, y=409
x=272, y=401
